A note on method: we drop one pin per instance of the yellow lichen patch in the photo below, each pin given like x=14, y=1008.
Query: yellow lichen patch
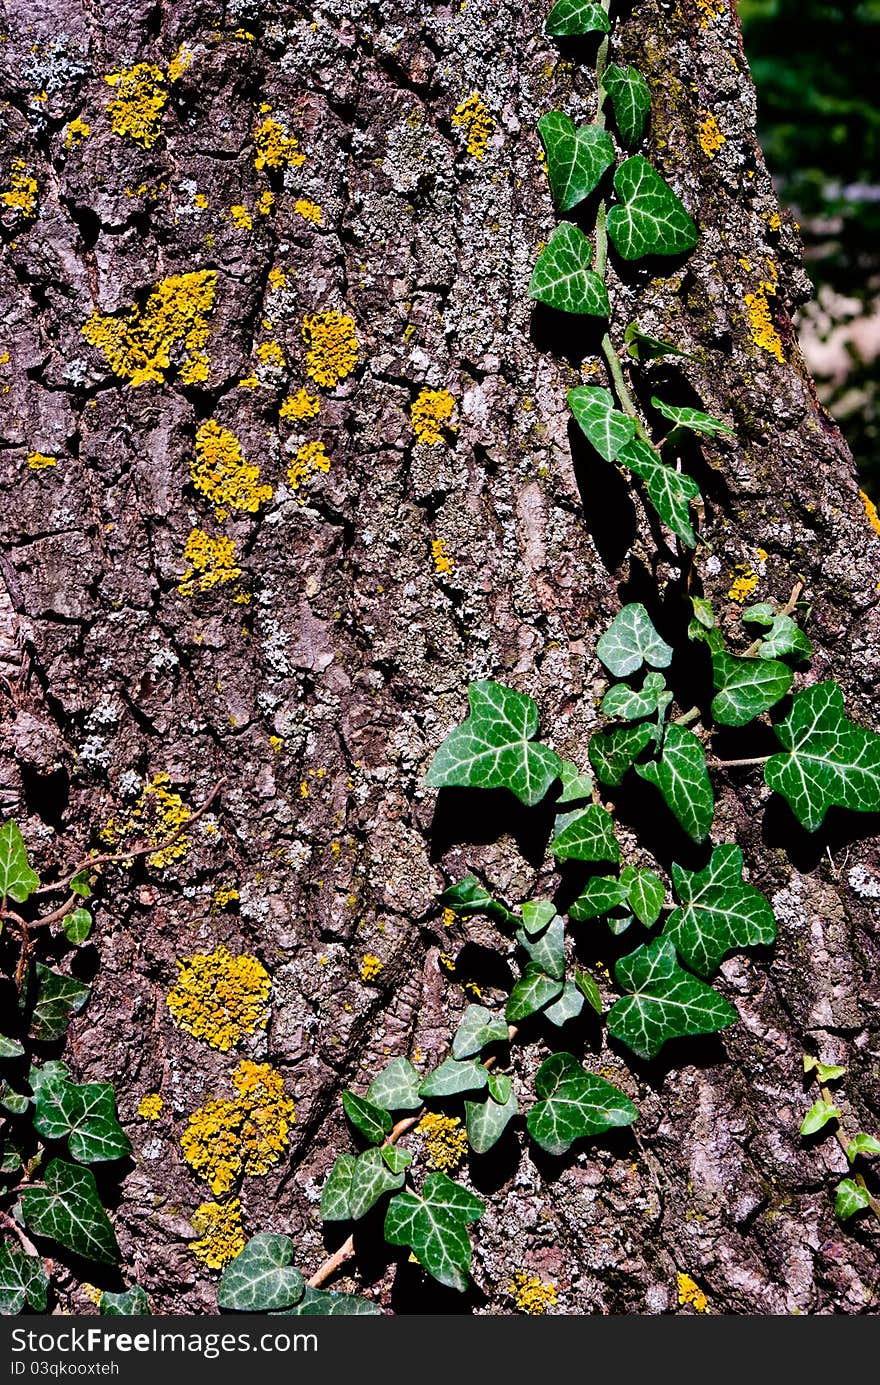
x=443, y=561
x=430, y=413
x=299, y=406
x=221, y=1235
x=241, y=217
x=371, y=966
x=275, y=148
x=530, y=1294
x=39, y=461
x=224, y=1139
x=448, y=918
x=473, y=117
x=309, y=211
x=445, y=1140
x=745, y=582
x=711, y=10
x=220, y=472
x=711, y=138
x=763, y=332
x=223, y=896
x=156, y=817
x=265, y=202
x=271, y=353
x=210, y=563
x=690, y=1294
x=332, y=346
x=150, y=1106
x=310, y=459
x=219, y=997
x=277, y=278
x=77, y=131
x=21, y=195
x=871, y=511
x=140, y=99
x=183, y=58
x=92, y=1293
x=138, y=345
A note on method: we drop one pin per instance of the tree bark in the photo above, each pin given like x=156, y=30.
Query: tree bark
x=355, y=651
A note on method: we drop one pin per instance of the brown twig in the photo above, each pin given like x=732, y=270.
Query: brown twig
x=12, y=1225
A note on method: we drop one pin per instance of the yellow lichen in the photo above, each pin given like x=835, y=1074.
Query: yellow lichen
x=22, y=193
x=473, y=117
x=871, y=511
x=183, y=58
x=711, y=138
x=448, y=918
x=220, y=472
x=219, y=997
x=223, y=896
x=299, y=406
x=277, y=278
x=712, y=10
x=309, y=211
x=443, y=561
x=530, y=1294
x=225, y=1139
x=211, y=562
x=241, y=217
x=763, y=332
x=39, y=461
x=139, y=344
x=690, y=1294
x=271, y=353
x=156, y=817
x=332, y=346
x=265, y=202
x=310, y=459
x=77, y=131
x=140, y=100
x=745, y=582
x=92, y=1293
x=150, y=1106
x=445, y=1140
x=221, y=1235
x=430, y=413
x=275, y=148
x=371, y=966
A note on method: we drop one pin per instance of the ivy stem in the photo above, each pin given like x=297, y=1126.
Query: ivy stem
x=687, y=717
x=12, y=1225
x=843, y=1140
x=739, y=764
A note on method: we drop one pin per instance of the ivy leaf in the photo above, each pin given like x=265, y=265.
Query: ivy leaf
x=373, y=1121
x=703, y=612
x=643, y=347
x=568, y=18
x=68, y=1211
x=627, y=704
x=567, y=1007
x=434, y=1225
x=396, y=1158
x=396, y=1087
x=649, y=219
x=818, y=1116
x=585, y=836
x=51, y=1074
x=77, y=925
x=371, y=1179
x=576, y=158
x=487, y=1120
x=825, y=1072
x=612, y=753
x=81, y=884
x=785, y=637
x=86, y=1116
x=23, y=1279
x=478, y=1027
x=644, y=893
x=531, y=993
x=14, y=1102
x=536, y=914
x=10, y=1048
x=17, y=880
x=563, y=277
x=261, y=1277
x=494, y=748
x=830, y=760
x=631, y=641
x=500, y=1086
x=670, y=492
x=319, y=1303
x=574, y=1104
x=601, y=894
x=630, y=98
x=58, y=997
x=851, y=1198
x=336, y=1193
x=589, y=990
x=547, y=951
x=746, y=687
x=681, y=776
x=694, y=420
x=469, y=896
x=131, y=1303
x=576, y=784
x=666, y=1002
x=719, y=912
x=452, y=1077
x=862, y=1144
x=606, y=427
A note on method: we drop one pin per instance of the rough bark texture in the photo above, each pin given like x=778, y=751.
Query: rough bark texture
x=356, y=652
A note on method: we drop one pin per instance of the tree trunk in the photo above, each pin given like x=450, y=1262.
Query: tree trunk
x=372, y=593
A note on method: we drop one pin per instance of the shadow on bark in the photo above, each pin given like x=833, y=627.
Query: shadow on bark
x=464, y=818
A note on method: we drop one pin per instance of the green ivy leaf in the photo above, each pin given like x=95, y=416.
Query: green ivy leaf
x=452, y=1077
x=563, y=277
x=336, y=1193
x=536, y=914
x=627, y=704
x=574, y=1104
x=569, y=18
x=371, y=1179
x=649, y=219
x=719, y=912
x=643, y=347
x=631, y=100
x=830, y=760
x=68, y=1210
x=58, y=997
x=703, y=612
x=81, y=884
x=373, y=1121
x=670, y=492
x=694, y=420
x=14, y=1102
x=576, y=158
x=577, y=784
x=825, y=1072
x=589, y=990
x=631, y=641
x=77, y=925
x=433, y=1224
x=547, y=950
x=644, y=894
x=746, y=687
x=478, y=1028
x=862, y=1144
x=665, y=1002
x=500, y=1087
x=605, y=426
x=682, y=778
x=23, y=1279
x=318, y=1303
x=601, y=894
x=84, y=1115
x=819, y=1114
x=851, y=1198
x=51, y=1074
x=17, y=880
x=10, y=1048
x=469, y=896
x=494, y=748
x=585, y=836
x=567, y=1007
x=612, y=753
x=396, y=1087
x=131, y=1303
x=487, y=1121
x=784, y=638
x=261, y=1277
x=396, y=1158
x=531, y=993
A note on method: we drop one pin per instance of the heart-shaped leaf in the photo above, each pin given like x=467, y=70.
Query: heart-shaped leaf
x=261, y=1278
x=396, y=1158
x=494, y=748
x=851, y=1198
x=547, y=950
x=563, y=276
x=601, y=894
x=567, y=1007
x=649, y=218
x=23, y=1280
x=574, y=1104
x=829, y=762
x=57, y=998
x=10, y=1048
x=77, y=926
x=86, y=1116
x=577, y=784
x=318, y=1303
x=613, y=752
x=643, y=347
x=478, y=1028
x=487, y=1121
x=589, y=990
x=666, y=1002
x=607, y=428
x=17, y=880
x=682, y=778
x=586, y=835
x=576, y=158
x=818, y=1116
x=371, y=1179
x=536, y=914
x=68, y=1210
x=531, y=993
x=746, y=687
x=631, y=641
x=130, y=1303
x=694, y=420
x=627, y=704
x=396, y=1087
x=784, y=636
x=670, y=492
x=719, y=912
x=336, y=1193
x=630, y=98
x=452, y=1077
x=644, y=893
x=433, y=1224
x=469, y=896
x=373, y=1121
x=568, y=18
